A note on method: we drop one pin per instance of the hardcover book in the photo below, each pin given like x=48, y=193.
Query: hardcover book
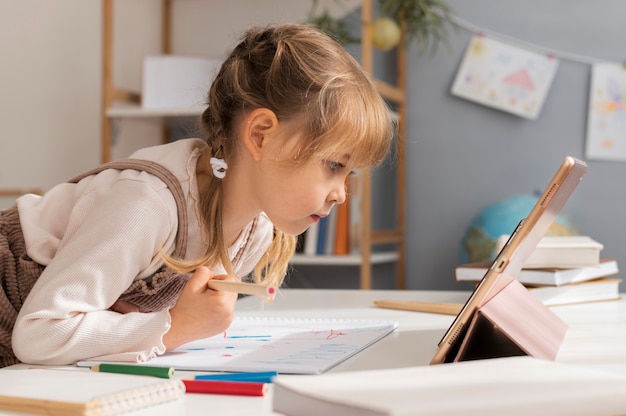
x=554, y=276
x=590, y=291
x=565, y=251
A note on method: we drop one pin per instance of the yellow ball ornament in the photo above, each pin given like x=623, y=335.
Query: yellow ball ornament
x=386, y=33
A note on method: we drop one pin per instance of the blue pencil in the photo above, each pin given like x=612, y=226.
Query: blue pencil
x=258, y=377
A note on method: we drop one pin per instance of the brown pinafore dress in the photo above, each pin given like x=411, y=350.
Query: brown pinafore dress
x=18, y=272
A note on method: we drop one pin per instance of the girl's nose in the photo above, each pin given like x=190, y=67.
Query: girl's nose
x=338, y=194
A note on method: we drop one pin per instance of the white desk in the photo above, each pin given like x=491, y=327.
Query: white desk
x=596, y=338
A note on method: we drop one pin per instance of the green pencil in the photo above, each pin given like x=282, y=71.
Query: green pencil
x=141, y=370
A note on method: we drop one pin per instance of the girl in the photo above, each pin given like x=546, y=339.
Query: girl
x=114, y=265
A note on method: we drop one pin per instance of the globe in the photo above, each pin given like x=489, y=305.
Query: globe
x=479, y=241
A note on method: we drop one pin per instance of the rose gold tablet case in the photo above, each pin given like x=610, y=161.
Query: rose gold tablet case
x=510, y=260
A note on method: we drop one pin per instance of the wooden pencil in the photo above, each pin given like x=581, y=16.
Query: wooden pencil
x=244, y=288
x=428, y=307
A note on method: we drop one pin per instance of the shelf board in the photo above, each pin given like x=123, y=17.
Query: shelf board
x=342, y=260
x=128, y=110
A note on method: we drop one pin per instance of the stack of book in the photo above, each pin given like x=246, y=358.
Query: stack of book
x=561, y=270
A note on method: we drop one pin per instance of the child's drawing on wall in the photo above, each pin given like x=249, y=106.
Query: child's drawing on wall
x=606, y=124
x=505, y=77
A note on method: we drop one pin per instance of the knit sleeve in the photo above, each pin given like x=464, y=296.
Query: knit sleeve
x=114, y=235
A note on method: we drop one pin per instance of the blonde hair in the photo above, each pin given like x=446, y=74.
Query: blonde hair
x=303, y=75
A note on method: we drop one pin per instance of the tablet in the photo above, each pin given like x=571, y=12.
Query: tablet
x=511, y=258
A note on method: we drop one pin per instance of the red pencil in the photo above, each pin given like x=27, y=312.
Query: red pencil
x=239, y=388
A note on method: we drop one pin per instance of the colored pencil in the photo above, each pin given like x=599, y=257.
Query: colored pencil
x=140, y=370
x=244, y=288
x=255, y=376
x=428, y=307
x=238, y=388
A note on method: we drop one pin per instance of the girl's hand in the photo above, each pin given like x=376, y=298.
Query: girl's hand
x=200, y=312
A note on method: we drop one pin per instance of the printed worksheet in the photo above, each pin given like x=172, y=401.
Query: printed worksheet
x=284, y=345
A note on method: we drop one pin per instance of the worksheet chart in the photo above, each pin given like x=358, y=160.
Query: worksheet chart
x=285, y=345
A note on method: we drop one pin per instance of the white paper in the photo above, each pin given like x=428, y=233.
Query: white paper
x=606, y=124
x=504, y=77
x=285, y=345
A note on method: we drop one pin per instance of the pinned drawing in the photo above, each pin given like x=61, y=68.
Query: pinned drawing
x=606, y=123
x=504, y=77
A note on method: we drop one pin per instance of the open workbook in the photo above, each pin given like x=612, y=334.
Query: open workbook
x=83, y=392
x=284, y=344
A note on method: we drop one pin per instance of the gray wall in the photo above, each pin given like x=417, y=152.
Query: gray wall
x=463, y=156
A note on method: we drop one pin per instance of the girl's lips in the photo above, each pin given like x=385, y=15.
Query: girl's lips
x=316, y=217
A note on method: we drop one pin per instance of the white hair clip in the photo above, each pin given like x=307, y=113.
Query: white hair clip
x=219, y=167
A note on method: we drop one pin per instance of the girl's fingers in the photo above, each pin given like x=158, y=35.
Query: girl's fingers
x=200, y=277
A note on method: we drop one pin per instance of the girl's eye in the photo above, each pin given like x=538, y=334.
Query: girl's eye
x=334, y=166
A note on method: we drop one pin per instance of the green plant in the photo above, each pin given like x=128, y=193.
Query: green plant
x=424, y=22
x=338, y=29
x=421, y=21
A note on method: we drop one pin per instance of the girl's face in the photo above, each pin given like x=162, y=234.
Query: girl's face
x=294, y=197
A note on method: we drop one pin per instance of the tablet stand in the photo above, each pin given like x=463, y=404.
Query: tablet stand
x=513, y=322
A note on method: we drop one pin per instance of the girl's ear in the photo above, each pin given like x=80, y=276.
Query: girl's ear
x=257, y=126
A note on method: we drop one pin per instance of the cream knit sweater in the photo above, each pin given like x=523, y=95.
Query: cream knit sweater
x=95, y=238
